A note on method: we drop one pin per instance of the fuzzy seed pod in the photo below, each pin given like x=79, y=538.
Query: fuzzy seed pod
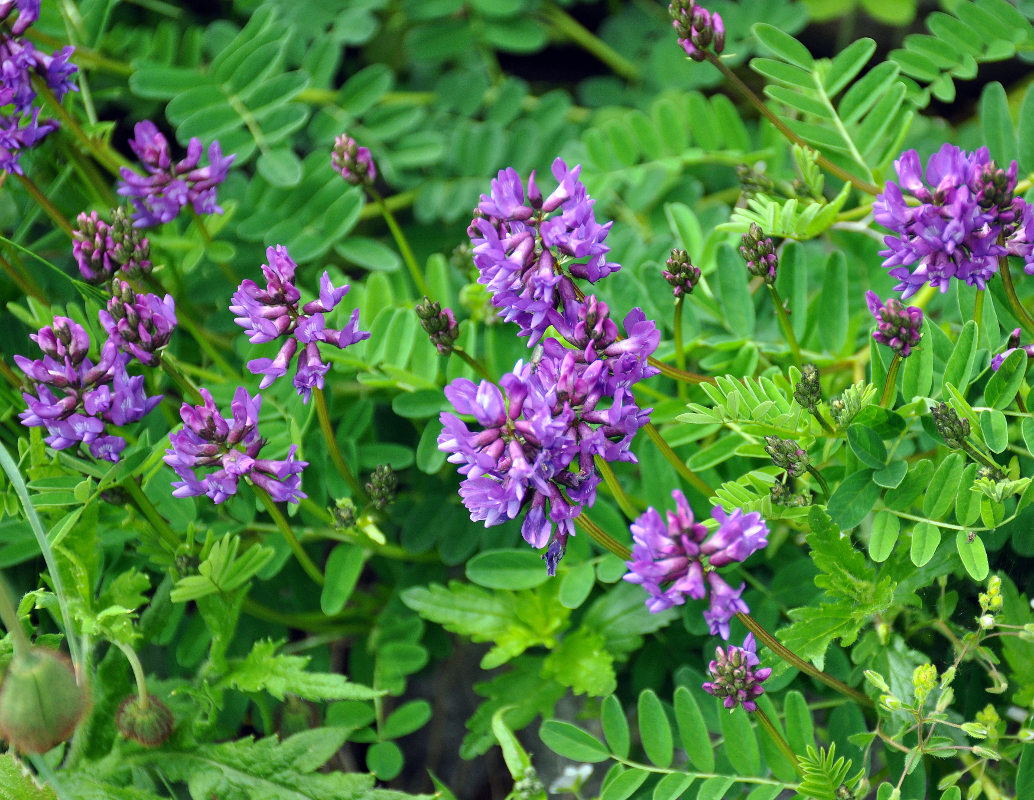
x=40, y=701
x=146, y=720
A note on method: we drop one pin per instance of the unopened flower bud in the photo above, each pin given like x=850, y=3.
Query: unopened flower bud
x=897, y=326
x=383, y=485
x=808, y=391
x=343, y=513
x=786, y=454
x=146, y=720
x=974, y=729
x=681, y=273
x=877, y=680
x=924, y=679
x=753, y=182
x=353, y=162
x=986, y=752
x=440, y=325
x=40, y=701
x=759, y=253
x=952, y=429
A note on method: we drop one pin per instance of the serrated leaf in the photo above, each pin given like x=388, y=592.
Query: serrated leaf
x=654, y=730
x=18, y=783
x=972, y=553
x=572, y=742
x=925, y=538
x=692, y=730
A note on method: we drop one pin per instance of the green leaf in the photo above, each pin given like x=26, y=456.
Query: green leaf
x=973, y=555
x=265, y=670
x=764, y=792
x=385, y=760
x=867, y=445
x=507, y=569
x=885, y=530
x=515, y=756
x=995, y=428
x=847, y=64
x=1002, y=386
x=572, y=742
x=833, y=302
x=943, y=487
x=582, y=662
x=736, y=303
x=1025, y=132
x=17, y=783
x=615, y=726
x=999, y=134
x=891, y=476
x=342, y=572
x=654, y=729
x=800, y=730
x=741, y=743
x=917, y=371
x=967, y=504
x=576, y=585
x=406, y=719
x=693, y=731
x=1027, y=429
x=960, y=364
x=853, y=499
x=1025, y=773
x=866, y=92
x=783, y=73
x=783, y=45
x=672, y=786
x=715, y=788
x=625, y=784
x=715, y=453
x=364, y=89
x=925, y=538
x=281, y=167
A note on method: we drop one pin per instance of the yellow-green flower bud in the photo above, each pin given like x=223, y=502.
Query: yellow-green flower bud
x=924, y=679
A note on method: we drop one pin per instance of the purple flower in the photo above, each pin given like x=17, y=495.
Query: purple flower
x=1012, y=344
x=520, y=244
x=353, y=162
x=272, y=313
x=74, y=398
x=439, y=324
x=759, y=253
x=681, y=275
x=101, y=249
x=734, y=677
x=966, y=205
x=229, y=447
x=543, y=425
x=139, y=324
x=21, y=129
x=698, y=29
x=168, y=188
x=674, y=558
x=897, y=326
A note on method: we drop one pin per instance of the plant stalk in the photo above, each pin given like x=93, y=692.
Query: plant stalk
x=687, y=474
x=335, y=452
x=292, y=541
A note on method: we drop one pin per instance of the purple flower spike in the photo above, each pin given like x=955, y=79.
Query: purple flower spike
x=674, y=558
x=966, y=206
x=272, y=313
x=735, y=678
x=353, y=162
x=169, y=187
x=139, y=324
x=897, y=326
x=521, y=251
x=230, y=449
x=698, y=29
x=74, y=398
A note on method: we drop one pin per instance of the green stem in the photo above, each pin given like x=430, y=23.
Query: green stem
x=25, y=281
x=890, y=387
x=1010, y=292
x=69, y=123
x=9, y=616
x=299, y=553
x=776, y=737
x=601, y=537
x=472, y=362
x=187, y=386
x=823, y=421
x=784, y=323
x=402, y=243
x=56, y=216
x=687, y=474
x=138, y=669
x=781, y=126
x=622, y=499
x=790, y=657
x=570, y=28
x=978, y=311
x=979, y=457
x=147, y=508
x=335, y=452
x=678, y=374
x=304, y=621
x=680, y=353
x=822, y=481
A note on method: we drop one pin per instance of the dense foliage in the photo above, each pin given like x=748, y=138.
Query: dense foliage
x=439, y=397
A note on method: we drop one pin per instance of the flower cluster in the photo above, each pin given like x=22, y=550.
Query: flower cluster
x=74, y=398
x=1012, y=344
x=521, y=247
x=169, y=187
x=272, y=313
x=759, y=253
x=541, y=427
x=353, y=162
x=140, y=324
x=897, y=326
x=698, y=29
x=20, y=127
x=734, y=678
x=681, y=275
x=788, y=455
x=229, y=447
x=101, y=249
x=966, y=219
x=668, y=559
x=439, y=324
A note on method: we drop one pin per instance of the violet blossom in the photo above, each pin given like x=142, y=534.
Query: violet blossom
x=734, y=677
x=272, y=313
x=169, y=187
x=540, y=428
x=101, y=249
x=75, y=398
x=526, y=252
x=1011, y=345
x=20, y=127
x=140, y=324
x=674, y=558
x=229, y=447
x=353, y=162
x=698, y=29
x=966, y=211
x=897, y=326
